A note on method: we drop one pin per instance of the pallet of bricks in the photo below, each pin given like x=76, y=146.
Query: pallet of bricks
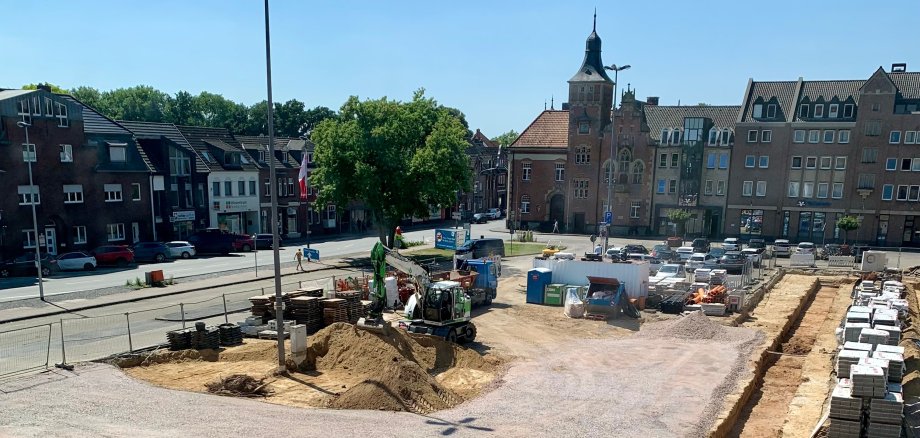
x=868, y=401
x=352, y=304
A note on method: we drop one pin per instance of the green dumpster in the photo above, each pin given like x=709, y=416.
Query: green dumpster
x=553, y=294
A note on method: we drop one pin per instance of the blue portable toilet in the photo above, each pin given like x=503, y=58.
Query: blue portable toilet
x=537, y=279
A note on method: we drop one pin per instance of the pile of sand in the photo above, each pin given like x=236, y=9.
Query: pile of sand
x=398, y=369
x=695, y=326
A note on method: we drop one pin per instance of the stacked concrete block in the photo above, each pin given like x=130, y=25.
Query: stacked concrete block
x=891, y=349
x=894, y=333
x=872, y=362
x=851, y=330
x=846, y=359
x=887, y=410
x=895, y=364
x=873, y=336
x=857, y=346
x=885, y=316
x=844, y=428
x=843, y=405
x=868, y=381
x=882, y=430
x=863, y=317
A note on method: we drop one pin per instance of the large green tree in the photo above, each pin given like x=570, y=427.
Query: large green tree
x=506, y=139
x=400, y=158
x=141, y=103
x=54, y=88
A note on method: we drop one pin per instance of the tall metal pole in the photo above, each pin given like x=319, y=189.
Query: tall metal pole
x=38, y=256
x=613, y=140
x=279, y=307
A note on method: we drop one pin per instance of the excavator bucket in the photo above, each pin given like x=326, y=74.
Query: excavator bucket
x=376, y=325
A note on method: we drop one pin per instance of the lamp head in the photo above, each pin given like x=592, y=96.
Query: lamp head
x=22, y=124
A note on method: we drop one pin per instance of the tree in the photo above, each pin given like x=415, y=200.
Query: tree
x=139, y=103
x=181, y=109
x=847, y=224
x=54, y=88
x=507, y=138
x=679, y=217
x=399, y=158
x=315, y=116
x=91, y=97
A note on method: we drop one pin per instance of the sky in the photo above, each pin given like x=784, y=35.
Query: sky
x=499, y=62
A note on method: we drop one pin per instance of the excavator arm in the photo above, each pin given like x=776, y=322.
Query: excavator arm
x=381, y=256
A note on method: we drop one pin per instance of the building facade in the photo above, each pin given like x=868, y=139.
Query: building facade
x=292, y=211
x=489, y=177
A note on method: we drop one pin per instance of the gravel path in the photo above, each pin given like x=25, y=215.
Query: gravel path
x=628, y=387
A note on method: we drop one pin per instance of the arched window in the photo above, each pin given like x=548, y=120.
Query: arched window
x=675, y=136
x=728, y=137
x=624, y=158
x=664, y=136
x=525, y=204
x=637, y=171
x=713, y=136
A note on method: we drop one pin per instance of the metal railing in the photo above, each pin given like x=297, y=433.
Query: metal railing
x=77, y=339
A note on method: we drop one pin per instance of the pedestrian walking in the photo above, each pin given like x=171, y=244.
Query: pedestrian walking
x=556, y=227
x=299, y=257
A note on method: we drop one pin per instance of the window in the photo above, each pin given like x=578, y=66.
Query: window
x=894, y=137
x=766, y=136
x=136, y=191
x=747, y=188
x=663, y=160
x=822, y=190
x=525, y=173
x=23, y=109
x=915, y=167
x=330, y=212
x=811, y=162
x=866, y=181
x=675, y=160
x=764, y=162
x=662, y=185
x=73, y=194
x=262, y=156
x=707, y=187
x=840, y=163
x=793, y=189
x=252, y=187
x=914, y=194
x=771, y=111
x=228, y=188
x=215, y=187
x=902, y=193
x=290, y=187
x=29, y=195
x=829, y=135
x=723, y=161
x=60, y=111
x=115, y=232
x=720, y=188
x=713, y=136
x=826, y=162
x=749, y=160
x=832, y=110
x=814, y=135
x=625, y=158
x=189, y=202
x=560, y=171
x=873, y=128
x=582, y=155
x=117, y=153
x=28, y=239
x=758, y=111
x=803, y=111
x=843, y=137
x=664, y=136
x=634, y=209
x=711, y=161
x=112, y=192
x=819, y=110
x=905, y=164
x=200, y=194
x=796, y=162
x=887, y=192
x=66, y=151
x=638, y=170
x=808, y=189
x=726, y=137
x=28, y=153
x=675, y=137
x=180, y=164
x=525, y=204
x=848, y=110
x=869, y=155
x=891, y=164
x=268, y=188
x=79, y=234
x=910, y=137
x=207, y=156
x=752, y=136
x=581, y=188
x=584, y=127
x=672, y=186
x=241, y=187
x=799, y=136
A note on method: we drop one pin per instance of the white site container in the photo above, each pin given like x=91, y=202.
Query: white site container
x=634, y=275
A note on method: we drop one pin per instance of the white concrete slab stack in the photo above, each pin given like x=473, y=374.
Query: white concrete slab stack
x=868, y=381
x=846, y=359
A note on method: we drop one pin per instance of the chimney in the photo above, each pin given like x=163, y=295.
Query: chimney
x=899, y=67
x=565, y=106
x=651, y=100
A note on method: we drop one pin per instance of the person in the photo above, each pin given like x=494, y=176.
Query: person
x=556, y=227
x=299, y=257
x=598, y=249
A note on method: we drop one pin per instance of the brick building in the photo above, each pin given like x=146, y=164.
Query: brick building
x=292, y=212
x=489, y=177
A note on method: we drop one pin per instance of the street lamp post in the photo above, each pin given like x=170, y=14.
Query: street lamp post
x=38, y=258
x=613, y=134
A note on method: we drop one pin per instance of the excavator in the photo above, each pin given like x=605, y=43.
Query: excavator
x=439, y=309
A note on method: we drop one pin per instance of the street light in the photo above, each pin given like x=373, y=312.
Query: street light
x=613, y=133
x=38, y=258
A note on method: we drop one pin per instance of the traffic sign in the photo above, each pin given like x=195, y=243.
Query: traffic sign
x=311, y=254
x=608, y=217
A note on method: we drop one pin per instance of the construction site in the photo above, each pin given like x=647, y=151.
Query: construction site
x=803, y=353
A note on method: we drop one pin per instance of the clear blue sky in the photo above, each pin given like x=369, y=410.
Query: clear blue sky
x=496, y=61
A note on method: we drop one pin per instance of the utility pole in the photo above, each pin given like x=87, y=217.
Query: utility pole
x=613, y=158
x=32, y=195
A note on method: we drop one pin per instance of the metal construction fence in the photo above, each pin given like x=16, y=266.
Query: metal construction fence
x=78, y=339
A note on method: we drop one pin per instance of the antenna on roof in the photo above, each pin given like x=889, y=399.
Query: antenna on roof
x=544, y=104
x=552, y=102
x=594, y=28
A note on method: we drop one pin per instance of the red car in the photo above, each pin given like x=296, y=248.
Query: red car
x=118, y=255
x=243, y=242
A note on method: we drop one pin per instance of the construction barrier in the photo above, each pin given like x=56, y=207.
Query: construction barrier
x=25, y=349
x=802, y=260
x=840, y=261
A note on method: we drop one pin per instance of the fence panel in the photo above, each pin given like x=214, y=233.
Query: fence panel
x=149, y=327
x=24, y=350
x=94, y=338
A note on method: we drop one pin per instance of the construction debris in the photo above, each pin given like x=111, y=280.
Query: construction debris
x=239, y=385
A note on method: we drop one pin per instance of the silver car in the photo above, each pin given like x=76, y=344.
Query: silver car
x=181, y=249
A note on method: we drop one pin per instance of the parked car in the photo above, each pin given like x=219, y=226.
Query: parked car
x=805, y=248
x=731, y=244
x=757, y=243
x=615, y=253
x=494, y=213
x=669, y=270
x=717, y=253
x=24, y=265
x=156, y=252
x=243, y=242
x=733, y=262
x=754, y=255
x=698, y=260
x=782, y=248
x=180, y=249
x=700, y=244
x=264, y=241
x=653, y=262
x=480, y=218
x=73, y=261
x=663, y=252
x=478, y=248
x=119, y=255
x=215, y=241
x=684, y=253
x=633, y=248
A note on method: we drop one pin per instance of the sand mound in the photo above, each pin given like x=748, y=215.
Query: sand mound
x=695, y=326
x=402, y=386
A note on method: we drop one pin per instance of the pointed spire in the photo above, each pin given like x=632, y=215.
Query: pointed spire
x=544, y=104
x=552, y=102
x=594, y=28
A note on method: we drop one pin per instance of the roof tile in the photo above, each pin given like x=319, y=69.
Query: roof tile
x=549, y=130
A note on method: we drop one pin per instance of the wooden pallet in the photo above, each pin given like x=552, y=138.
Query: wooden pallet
x=596, y=316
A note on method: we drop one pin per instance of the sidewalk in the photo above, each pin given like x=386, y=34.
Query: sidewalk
x=33, y=308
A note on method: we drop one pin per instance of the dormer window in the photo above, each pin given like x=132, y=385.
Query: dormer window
x=118, y=152
x=232, y=158
x=848, y=110
x=207, y=156
x=60, y=111
x=22, y=108
x=675, y=137
x=758, y=110
x=664, y=136
x=726, y=137
x=832, y=110
x=713, y=136
x=261, y=156
x=819, y=111
x=771, y=111
x=803, y=111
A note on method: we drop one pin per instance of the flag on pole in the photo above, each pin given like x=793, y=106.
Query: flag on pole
x=302, y=177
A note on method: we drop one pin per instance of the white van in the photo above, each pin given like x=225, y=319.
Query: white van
x=782, y=248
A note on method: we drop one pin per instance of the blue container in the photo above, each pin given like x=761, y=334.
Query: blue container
x=537, y=279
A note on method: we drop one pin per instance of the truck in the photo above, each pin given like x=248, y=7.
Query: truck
x=478, y=277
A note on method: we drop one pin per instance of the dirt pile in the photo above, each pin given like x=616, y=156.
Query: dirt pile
x=239, y=385
x=695, y=326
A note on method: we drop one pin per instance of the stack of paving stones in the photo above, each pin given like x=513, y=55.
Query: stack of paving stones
x=843, y=405
x=851, y=330
x=180, y=339
x=352, y=304
x=334, y=310
x=880, y=363
x=862, y=314
x=873, y=336
x=230, y=334
x=859, y=346
x=260, y=305
x=868, y=381
x=882, y=430
x=846, y=359
x=308, y=311
x=887, y=410
x=285, y=302
x=205, y=338
x=312, y=291
x=895, y=364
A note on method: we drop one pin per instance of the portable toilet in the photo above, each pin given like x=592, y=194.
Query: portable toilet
x=553, y=295
x=537, y=279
